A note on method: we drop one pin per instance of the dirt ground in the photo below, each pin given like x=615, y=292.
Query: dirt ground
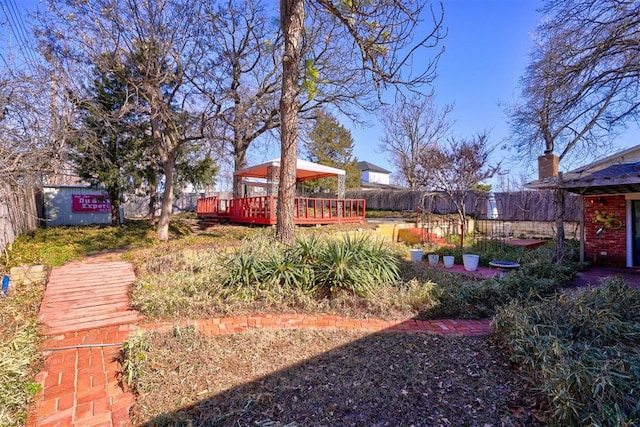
x=328, y=378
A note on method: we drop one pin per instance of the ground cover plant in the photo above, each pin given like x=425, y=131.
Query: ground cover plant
x=321, y=377
x=582, y=351
x=352, y=275
x=53, y=246
x=19, y=359
x=227, y=270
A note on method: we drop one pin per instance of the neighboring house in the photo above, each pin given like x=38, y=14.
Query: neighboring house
x=610, y=188
x=374, y=177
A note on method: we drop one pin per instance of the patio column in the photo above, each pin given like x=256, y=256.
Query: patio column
x=341, y=185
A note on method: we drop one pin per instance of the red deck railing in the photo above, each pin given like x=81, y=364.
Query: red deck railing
x=207, y=207
x=262, y=210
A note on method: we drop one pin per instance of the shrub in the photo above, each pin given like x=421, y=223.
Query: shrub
x=537, y=277
x=582, y=350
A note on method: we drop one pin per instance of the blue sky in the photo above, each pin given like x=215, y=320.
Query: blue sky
x=485, y=54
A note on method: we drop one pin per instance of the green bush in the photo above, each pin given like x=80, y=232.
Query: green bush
x=583, y=352
x=537, y=277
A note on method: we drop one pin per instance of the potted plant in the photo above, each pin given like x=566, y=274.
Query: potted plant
x=470, y=261
x=448, y=260
x=416, y=255
x=433, y=259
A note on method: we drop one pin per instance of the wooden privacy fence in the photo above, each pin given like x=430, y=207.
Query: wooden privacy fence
x=513, y=206
x=18, y=213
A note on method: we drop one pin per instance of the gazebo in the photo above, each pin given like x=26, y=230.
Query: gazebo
x=262, y=209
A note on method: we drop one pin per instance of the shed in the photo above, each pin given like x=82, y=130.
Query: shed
x=75, y=205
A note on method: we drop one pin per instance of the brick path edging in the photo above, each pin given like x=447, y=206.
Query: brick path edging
x=235, y=324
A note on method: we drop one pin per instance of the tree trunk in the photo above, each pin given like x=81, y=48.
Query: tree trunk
x=239, y=162
x=291, y=19
x=463, y=229
x=152, y=178
x=168, y=164
x=114, y=197
x=115, y=213
x=153, y=199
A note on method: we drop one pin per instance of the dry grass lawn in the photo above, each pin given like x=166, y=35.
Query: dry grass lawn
x=327, y=378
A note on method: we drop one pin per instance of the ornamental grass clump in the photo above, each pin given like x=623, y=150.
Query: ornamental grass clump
x=355, y=265
x=582, y=352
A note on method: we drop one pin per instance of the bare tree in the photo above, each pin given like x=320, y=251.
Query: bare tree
x=245, y=73
x=151, y=45
x=27, y=152
x=457, y=170
x=242, y=75
x=581, y=86
x=379, y=34
x=411, y=128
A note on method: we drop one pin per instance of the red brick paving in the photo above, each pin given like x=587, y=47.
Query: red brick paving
x=79, y=380
x=230, y=325
x=87, y=320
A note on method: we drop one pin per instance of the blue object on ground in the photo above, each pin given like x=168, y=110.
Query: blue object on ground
x=504, y=266
x=5, y=286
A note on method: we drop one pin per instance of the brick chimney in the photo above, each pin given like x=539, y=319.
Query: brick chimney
x=548, y=166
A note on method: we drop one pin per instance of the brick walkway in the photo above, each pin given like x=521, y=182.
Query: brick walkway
x=87, y=320
x=85, y=312
x=79, y=380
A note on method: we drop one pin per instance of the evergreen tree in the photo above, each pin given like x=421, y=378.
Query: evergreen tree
x=111, y=147
x=331, y=144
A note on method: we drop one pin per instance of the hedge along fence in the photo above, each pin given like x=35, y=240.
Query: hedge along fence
x=513, y=206
x=18, y=213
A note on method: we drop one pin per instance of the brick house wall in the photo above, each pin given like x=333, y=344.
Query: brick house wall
x=610, y=247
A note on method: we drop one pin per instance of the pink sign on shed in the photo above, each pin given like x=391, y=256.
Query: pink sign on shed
x=90, y=203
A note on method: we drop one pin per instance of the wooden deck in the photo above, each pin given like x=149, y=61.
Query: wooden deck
x=262, y=210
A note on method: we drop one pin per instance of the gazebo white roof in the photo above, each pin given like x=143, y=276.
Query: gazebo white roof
x=304, y=170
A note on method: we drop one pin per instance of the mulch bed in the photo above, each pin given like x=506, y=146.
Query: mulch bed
x=328, y=378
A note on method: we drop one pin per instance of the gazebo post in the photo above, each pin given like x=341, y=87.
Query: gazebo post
x=341, y=186
x=341, y=190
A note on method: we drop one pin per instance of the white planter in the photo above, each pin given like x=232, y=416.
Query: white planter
x=433, y=259
x=416, y=255
x=448, y=260
x=470, y=261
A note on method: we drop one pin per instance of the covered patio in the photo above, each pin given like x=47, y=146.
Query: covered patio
x=610, y=193
x=261, y=209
